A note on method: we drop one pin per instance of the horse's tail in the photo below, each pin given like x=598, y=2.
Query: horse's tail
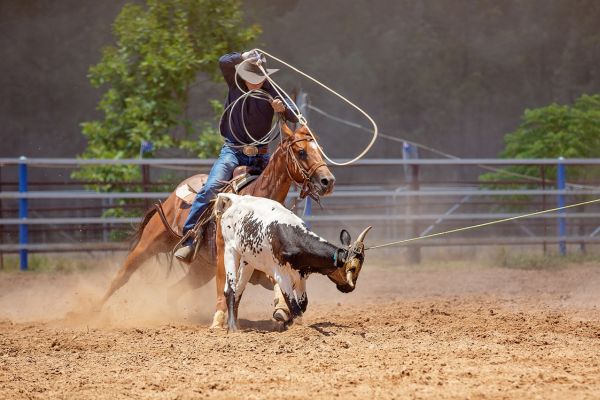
x=137, y=236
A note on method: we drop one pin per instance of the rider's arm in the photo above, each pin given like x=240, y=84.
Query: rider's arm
x=227, y=64
x=289, y=116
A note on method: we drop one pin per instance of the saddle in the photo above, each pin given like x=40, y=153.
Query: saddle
x=242, y=177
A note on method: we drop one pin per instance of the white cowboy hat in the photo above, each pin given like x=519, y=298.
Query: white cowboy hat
x=250, y=72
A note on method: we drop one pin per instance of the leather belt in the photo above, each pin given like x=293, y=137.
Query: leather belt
x=253, y=151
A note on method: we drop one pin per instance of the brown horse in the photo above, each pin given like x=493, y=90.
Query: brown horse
x=296, y=159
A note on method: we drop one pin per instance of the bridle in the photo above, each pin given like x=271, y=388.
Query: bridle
x=307, y=187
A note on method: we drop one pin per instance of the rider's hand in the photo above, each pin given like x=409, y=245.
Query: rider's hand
x=253, y=57
x=278, y=105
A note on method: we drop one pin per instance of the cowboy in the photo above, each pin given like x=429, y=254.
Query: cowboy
x=245, y=122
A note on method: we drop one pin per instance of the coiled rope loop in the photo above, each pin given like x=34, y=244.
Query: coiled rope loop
x=261, y=94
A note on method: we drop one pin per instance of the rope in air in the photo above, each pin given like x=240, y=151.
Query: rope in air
x=481, y=225
x=270, y=137
x=261, y=94
x=303, y=121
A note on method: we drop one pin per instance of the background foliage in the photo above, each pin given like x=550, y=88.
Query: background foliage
x=161, y=49
x=570, y=131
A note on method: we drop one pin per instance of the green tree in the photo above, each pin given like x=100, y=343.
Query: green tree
x=161, y=49
x=570, y=131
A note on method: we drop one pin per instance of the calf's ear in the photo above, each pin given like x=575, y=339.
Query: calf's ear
x=345, y=237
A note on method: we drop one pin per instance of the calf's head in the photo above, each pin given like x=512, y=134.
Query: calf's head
x=351, y=260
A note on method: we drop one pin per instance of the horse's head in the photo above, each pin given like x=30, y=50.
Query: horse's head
x=305, y=164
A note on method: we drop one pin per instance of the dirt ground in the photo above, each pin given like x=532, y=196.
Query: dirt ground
x=446, y=332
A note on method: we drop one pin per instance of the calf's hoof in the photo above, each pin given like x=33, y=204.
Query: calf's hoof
x=281, y=315
x=218, y=320
x=232, y=328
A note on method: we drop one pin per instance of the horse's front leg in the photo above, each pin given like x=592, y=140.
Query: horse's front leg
x=221, y=305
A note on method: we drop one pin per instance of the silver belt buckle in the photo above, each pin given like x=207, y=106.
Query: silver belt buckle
x=250, y=151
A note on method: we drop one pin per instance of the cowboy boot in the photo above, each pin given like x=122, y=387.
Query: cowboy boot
x=186, y=253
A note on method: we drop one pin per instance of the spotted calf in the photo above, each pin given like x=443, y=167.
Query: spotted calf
x=259, y=233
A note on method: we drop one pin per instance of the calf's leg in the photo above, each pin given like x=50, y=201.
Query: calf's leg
x=231, y=261
x=287, y=290
x=301, y=294
x=243, y=276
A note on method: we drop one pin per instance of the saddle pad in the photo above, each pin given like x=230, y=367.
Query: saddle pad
x=242, y=181
x=185, y=193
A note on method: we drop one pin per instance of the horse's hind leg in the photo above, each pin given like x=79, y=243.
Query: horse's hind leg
x=151, y=243
x=198, y=275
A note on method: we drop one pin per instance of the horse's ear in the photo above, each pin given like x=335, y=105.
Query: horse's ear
x=285, y=129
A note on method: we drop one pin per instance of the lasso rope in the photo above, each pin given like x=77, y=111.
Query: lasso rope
x=255, y=94
x=481, y=225
x=301, y=118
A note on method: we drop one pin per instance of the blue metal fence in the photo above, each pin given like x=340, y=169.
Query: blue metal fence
x=561, y=189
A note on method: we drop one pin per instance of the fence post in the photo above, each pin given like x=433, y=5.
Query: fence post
x=23, y=228
x=561, y=179
x=544, y=206
x=412, y=174
x=1, y=229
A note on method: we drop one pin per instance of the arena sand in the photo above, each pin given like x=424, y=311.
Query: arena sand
x=459, y=331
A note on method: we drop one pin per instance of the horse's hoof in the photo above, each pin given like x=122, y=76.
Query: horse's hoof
x=218, y=320
x=281, y=315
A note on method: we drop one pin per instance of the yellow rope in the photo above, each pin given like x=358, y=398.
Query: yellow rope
x=484, y=224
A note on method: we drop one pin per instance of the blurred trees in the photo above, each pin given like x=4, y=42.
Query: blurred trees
x=160, y=51
x=570, y=131
x=455, y=75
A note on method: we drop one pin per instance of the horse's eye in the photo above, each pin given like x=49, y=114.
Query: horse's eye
x=302, y=154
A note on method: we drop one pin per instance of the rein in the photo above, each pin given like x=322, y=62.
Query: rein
x=307, y=187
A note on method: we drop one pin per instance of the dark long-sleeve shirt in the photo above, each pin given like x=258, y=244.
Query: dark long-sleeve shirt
x=258, y=113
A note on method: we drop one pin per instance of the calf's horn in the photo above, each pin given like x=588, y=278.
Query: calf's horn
x=361, y=237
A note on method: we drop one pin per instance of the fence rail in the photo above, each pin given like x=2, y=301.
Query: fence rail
x=407, y=208
x=381, y=162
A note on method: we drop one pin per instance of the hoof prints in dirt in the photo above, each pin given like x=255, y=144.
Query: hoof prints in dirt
x=444, y=348
x=448, y=334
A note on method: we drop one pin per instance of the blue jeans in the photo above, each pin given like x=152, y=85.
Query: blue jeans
x=222, y=170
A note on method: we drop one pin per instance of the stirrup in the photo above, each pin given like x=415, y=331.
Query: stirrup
x=185, y=253
x=188, y=252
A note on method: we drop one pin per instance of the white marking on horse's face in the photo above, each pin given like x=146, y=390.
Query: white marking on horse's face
x=313, y=146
